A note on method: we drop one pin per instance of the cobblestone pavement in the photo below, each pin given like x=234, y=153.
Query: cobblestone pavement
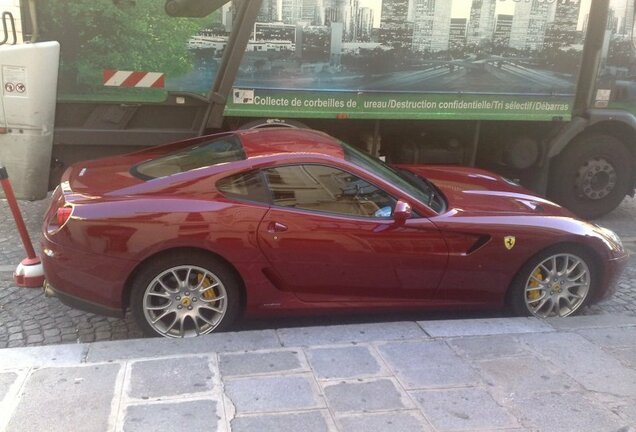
x=27, y=318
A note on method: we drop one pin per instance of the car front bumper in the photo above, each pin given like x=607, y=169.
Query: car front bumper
x=613, y=270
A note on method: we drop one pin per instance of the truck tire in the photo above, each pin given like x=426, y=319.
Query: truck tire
x=592, y=175
x=268, y=123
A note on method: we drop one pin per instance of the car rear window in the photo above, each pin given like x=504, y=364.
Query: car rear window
x=221, y=150
x=245, y=186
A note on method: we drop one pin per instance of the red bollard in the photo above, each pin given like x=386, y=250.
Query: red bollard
x=29, y=273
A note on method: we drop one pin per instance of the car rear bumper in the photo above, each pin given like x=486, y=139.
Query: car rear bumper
x=84, y=280
x=78, y=303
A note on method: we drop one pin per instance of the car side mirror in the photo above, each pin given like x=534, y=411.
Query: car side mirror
x=402, y=212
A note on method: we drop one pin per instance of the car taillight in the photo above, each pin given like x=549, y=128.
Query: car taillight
x=59, y=213
x=62, y=215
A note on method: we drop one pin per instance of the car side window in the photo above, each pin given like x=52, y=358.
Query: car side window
x=247, y=186
x=327, y=189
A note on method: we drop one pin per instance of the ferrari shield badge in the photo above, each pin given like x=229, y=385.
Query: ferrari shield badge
x=509, y=242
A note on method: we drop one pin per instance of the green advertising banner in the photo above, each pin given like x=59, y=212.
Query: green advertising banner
x=258, y=103
x=359, y=59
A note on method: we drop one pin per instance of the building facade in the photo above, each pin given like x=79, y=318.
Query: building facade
x=482, y=21
x=431, y=25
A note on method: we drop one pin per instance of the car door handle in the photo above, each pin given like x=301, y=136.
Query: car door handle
x=275, y=227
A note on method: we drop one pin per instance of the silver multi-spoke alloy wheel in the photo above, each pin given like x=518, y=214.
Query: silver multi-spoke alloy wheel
x=557, y=286
x=185, y=301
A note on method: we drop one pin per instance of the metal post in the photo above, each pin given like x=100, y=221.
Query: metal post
x=232, y=56
x=15, y=210
x=590, y=63
x=29, y=273
x=375, y=148
x=474, y=148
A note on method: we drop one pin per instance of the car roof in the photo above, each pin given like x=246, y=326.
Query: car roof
x=277, y=140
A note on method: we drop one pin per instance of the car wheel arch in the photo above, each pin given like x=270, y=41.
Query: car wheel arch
x=587, y=250
x=128, y=285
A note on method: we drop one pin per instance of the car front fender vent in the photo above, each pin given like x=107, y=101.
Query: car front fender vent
x=481, y=241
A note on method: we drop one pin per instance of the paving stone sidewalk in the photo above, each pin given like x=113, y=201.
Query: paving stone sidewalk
x=507, y=374
x=27, y=318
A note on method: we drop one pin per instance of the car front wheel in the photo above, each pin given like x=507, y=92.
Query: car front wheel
x=184, y=295
x=556, y=283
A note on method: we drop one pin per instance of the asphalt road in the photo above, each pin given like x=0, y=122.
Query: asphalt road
x=27, y=318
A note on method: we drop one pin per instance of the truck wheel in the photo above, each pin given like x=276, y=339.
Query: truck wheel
x=268, y=123
x=592, y=175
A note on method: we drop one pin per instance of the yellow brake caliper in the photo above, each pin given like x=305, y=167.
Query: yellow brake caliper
x=534, y=283
x=207, y=294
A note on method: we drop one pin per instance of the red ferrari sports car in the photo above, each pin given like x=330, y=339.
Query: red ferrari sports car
x=191, y=235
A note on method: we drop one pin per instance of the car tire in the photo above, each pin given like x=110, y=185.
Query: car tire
x=205, y=299
x=592, y=175
x=540, y=291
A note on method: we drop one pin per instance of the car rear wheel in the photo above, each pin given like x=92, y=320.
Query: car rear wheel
x=184, y=295
x=556, y=283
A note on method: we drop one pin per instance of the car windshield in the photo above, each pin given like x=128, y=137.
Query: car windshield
x=414, y=185
x=220, y=150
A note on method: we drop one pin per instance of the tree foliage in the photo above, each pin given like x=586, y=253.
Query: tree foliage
x=108, y=34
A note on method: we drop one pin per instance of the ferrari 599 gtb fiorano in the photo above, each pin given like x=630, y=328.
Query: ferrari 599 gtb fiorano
x=189, y=236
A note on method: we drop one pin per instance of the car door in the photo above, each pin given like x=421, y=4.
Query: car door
x=329, y=236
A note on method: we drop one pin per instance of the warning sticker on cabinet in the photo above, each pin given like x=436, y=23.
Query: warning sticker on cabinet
x=14, y=81
x=243, y=96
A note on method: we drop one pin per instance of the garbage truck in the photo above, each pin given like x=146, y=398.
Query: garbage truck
x=540, y=91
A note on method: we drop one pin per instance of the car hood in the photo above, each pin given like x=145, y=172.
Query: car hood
x=473, y=190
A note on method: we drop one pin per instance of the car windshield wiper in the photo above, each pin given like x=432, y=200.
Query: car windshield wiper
x=419, y=182
x=432, y=197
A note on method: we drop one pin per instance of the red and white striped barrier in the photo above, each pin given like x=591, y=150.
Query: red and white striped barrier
x=118, y=78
